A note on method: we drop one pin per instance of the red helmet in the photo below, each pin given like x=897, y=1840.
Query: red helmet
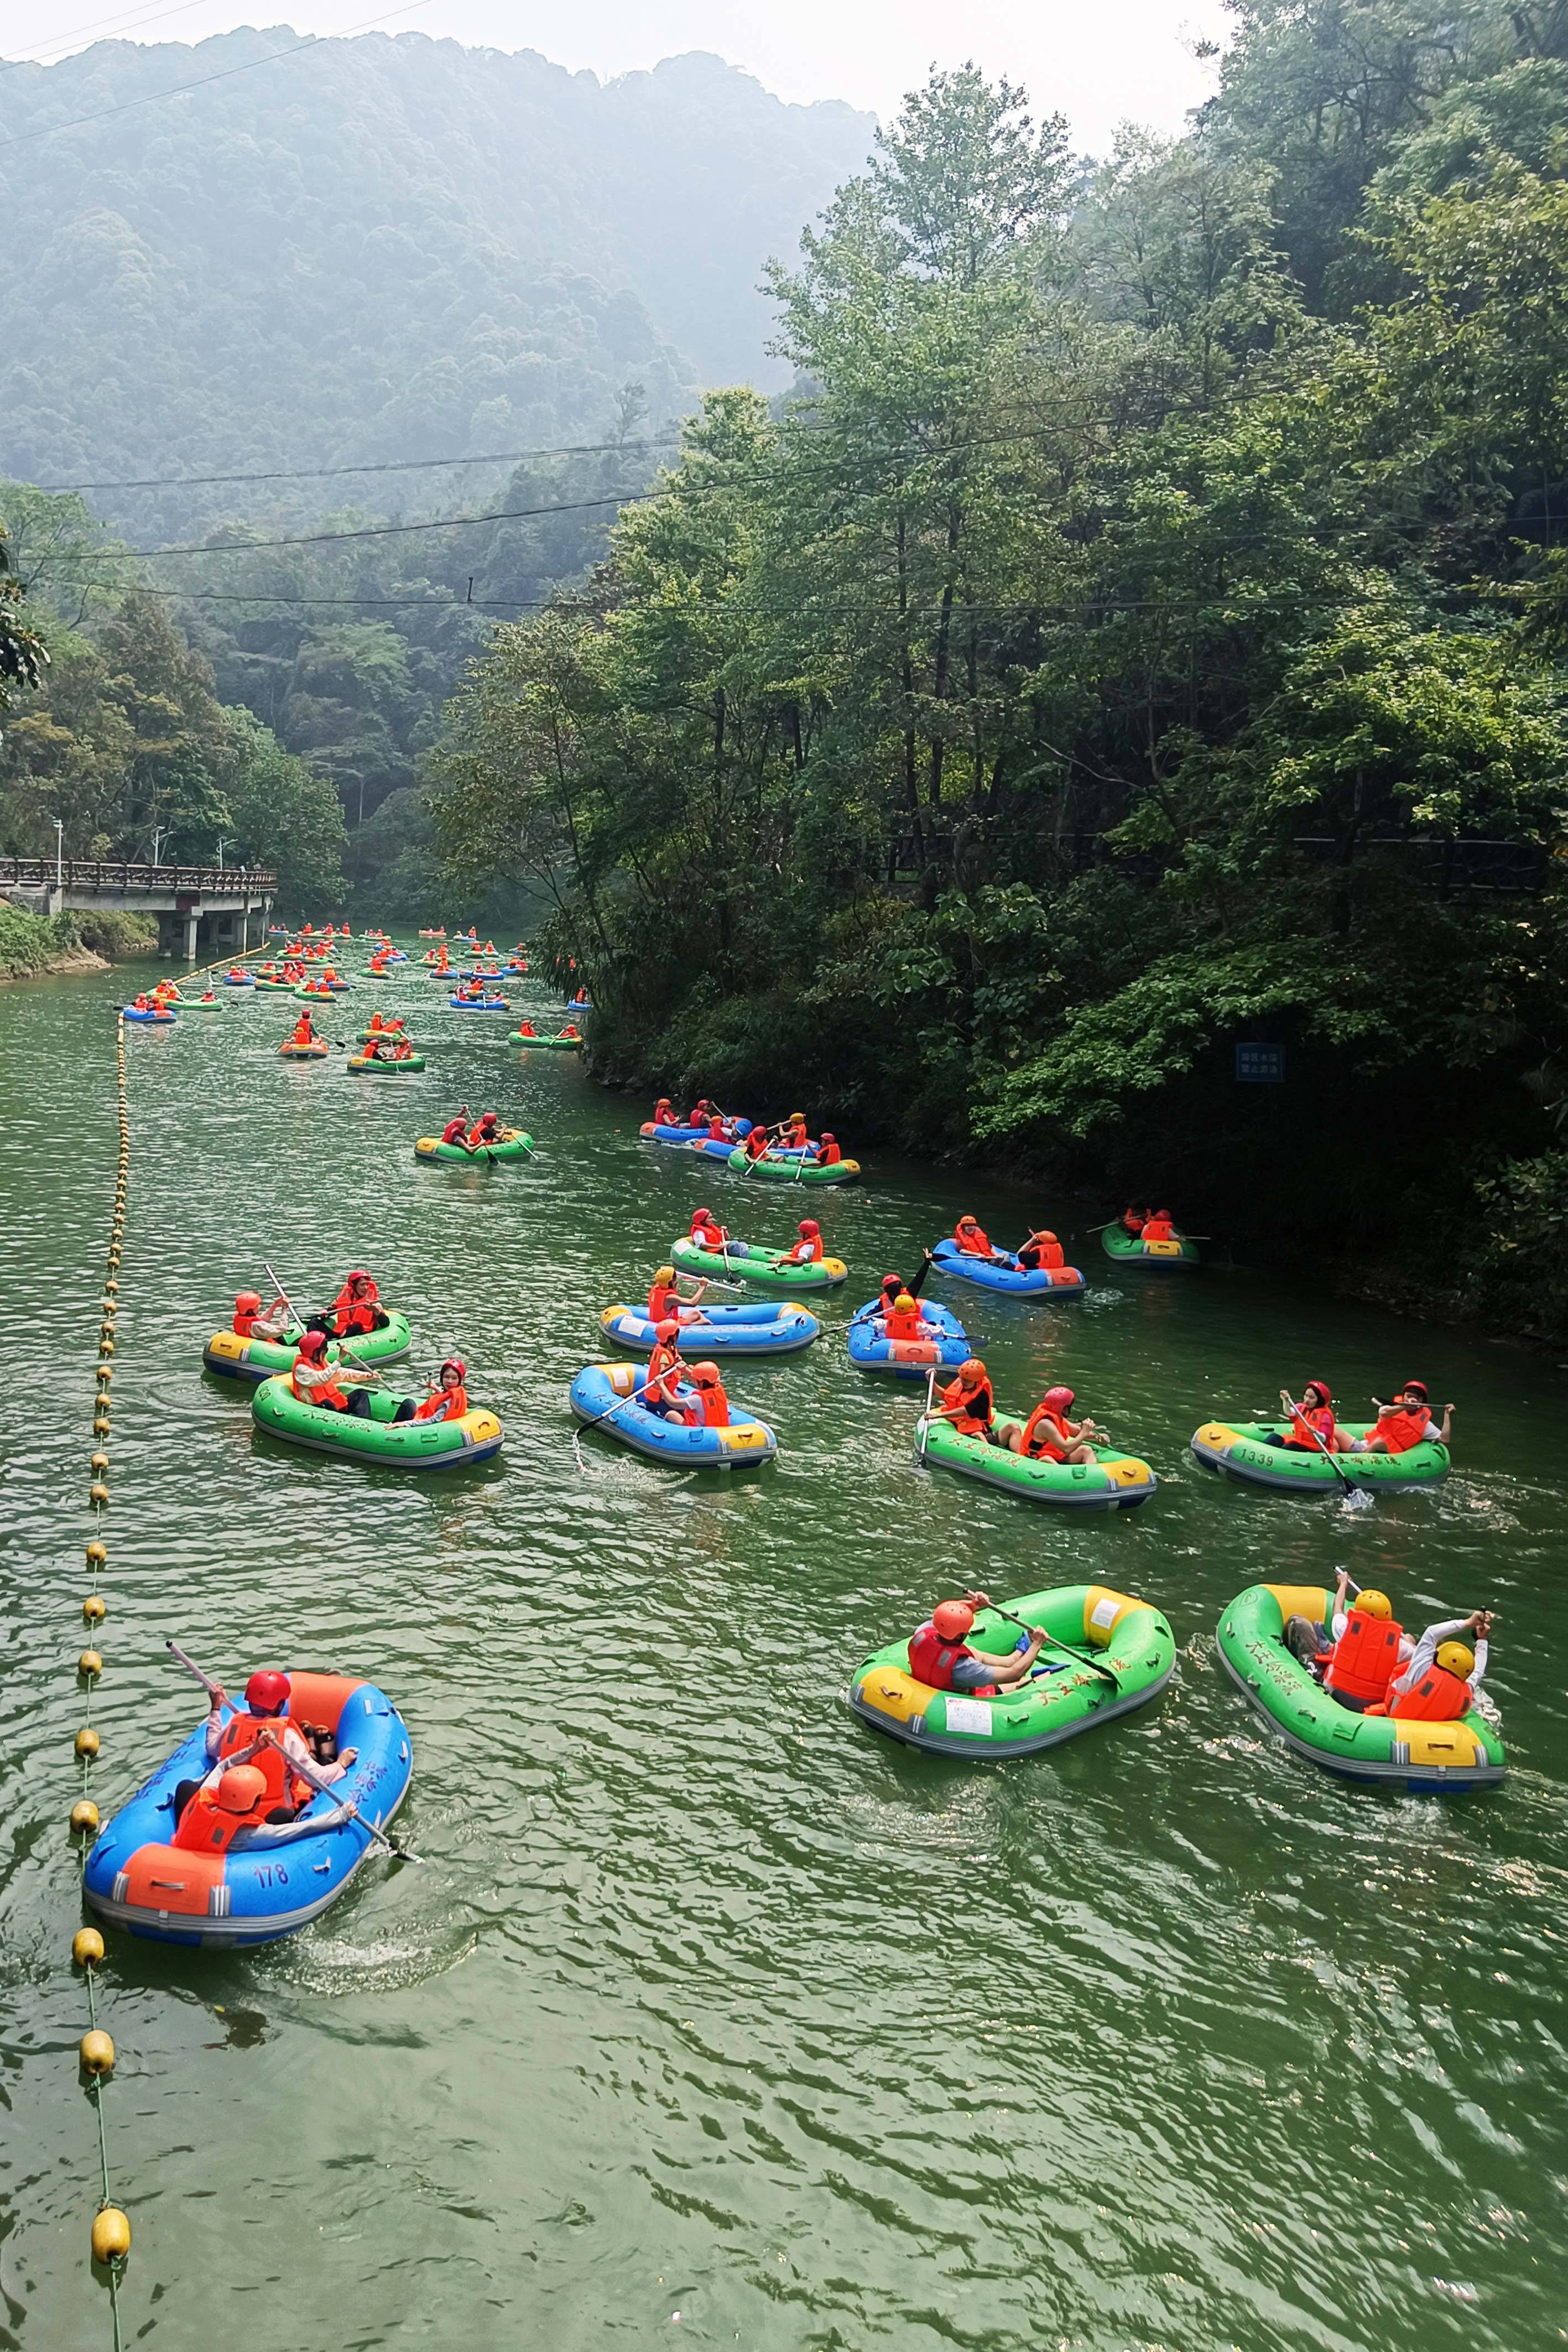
x=242, y=1787
x=952, y=1618
x=1162, y=1212
x=892, y=1282
x=1419, y=1387
x=247, y=1302
x=266, y=1690
x=968, y=1218
x=828, y=1135
x=809, y=1228
x=668, y=1329
x=1058, y=1400
x=1322, y=1389
x=456, y=1364
x=312, y=1342
x=356, y=1273
x=705, y=1375
x=702, y=1216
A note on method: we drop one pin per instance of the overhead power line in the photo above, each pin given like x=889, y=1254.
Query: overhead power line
x=377, y=465
x=120, y=24
x=24, y=138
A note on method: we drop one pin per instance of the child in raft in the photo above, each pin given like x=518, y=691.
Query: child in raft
x=975, y=1243
x=1406, y=1421
x=666, y=1303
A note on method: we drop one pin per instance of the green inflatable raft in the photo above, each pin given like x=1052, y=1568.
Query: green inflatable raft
x=392, y=1036
x=1107, y=1654
x=374, y=1065
x=514, y=1145
x=1131, y=1250
x=749, y=1262
x=545, y=1044
x=374, y=1438
x=790, y=1171
x=1116, y=1482
x=238, y=1358
x=1422, y=1759
x=1243, y=1450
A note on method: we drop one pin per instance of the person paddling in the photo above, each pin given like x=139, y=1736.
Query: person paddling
x=940, y=1658
x=1443, y=1679
x=665, y=1303
x=1049, y=1435
x=968, y=1404
x=1406, y=1421
x=808, y=1250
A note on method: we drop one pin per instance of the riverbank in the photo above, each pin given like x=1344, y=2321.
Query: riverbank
x=34, y=947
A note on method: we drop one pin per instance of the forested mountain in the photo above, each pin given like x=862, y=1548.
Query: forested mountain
x=375, y=248
x=1146, y=638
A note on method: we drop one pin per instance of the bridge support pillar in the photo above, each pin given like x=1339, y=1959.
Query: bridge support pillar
x=188, y=923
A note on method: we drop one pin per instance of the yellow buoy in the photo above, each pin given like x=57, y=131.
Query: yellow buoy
x=90, y=1663
x=97, y=1553
x=96, y=2052
x=112, y=1288
x=88, y=1741
x=106, y=1347
x=84, y=1816
x=95, y=1609
x=99, y=1463
x=111, y=2235
x=87, y=1948
x=98, y=1493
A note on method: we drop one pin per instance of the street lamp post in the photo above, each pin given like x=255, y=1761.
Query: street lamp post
x=60, y=853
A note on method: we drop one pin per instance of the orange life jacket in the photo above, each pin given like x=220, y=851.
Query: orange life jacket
x=708, y=1234
x=1159, y=1229
x=303, y=1033
x=1401, y=1431
x=283, y=1787
x=828, y=1155
x=977, y=1243
x=1134, y=1224
x=807, y=1253
x=1319, y=1418
x=756, y=1143
x=712, y=1410
x=455, y=1130
x=207, y=1827
x=904, y=1327
x=447, y=1404
x=969, y=1423
x=1438, y=1697
x=1044, y=1436
x=324, y=1393
x=358, y=1315
x=932, y=1660
x=1365, y=1658
x=1045, y=1253
x=663, y=1302
x=527, y=1029
x=659, y=1386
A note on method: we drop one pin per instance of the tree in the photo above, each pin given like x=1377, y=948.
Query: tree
x=283, y=816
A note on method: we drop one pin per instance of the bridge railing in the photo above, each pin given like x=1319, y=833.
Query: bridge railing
x=114, y=874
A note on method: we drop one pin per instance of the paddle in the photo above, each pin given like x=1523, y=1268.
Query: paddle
x=325, y=1788
x=1066, y=1647
x=926, y=1416
x=678, y=1363
x=1341, y=1473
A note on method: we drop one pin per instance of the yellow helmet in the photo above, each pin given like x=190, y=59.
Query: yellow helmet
x=1457, y=1658
x=1372, y=1604
x=666, y=1273
x=903, y=1304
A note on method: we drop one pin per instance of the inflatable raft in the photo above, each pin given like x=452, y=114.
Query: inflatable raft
x=382, y=1065
x=547, y=1045
x=153, y=1014
x=316, y=1050
x=1107, y=1654
x=871, y=1349
x=773, y=1328
x=514, y=1145
x=1420, y=1759
x=278, y=987
x=792, y=1168
x=239, y=979
x=1130, y=1249
x=478, y=1004
x=596, y=1389
x=1014, y=1280
x=691, y=1135
x=374, y=1438
x=1116, y=1482
x=752, y=1263
x=235, y=1358
x=1242, y=1449
x=201, y=1004
x=396, y=1035
x=137, y=1880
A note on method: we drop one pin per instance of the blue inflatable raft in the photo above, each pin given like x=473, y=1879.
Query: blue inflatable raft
x=478, y=1004
x=768, y=1328
x=130, y=1014
x=239, y=980
x=695, y=1135
x=597, y=1388
x=871, y=1350
x=135, y=1878
x=1044, y=1282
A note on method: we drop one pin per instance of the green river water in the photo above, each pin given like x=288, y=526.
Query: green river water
x=712, y=2017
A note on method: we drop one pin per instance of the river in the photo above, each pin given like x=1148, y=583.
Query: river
x=711, y=2017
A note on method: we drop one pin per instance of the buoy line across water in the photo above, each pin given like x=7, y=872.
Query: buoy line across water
x=111, y=2239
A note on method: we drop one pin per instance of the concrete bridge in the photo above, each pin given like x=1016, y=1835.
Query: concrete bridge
x=201, y=910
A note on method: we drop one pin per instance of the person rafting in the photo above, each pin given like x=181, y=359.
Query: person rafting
x=1312, y=1421
x=665, y=1303
x=1159, y=1227
x=139, y=1002
x=828, y=1154
x=447, y=1401
x=401, y=1050
x=486, y=1129
x=662, y=1376
x=756, y=1143
x=1366, y=1651
x=941, y=1658
x=707, y=1230
x=712, y=1408
x=356, y=1309
x=664, y=1114
x=304, y=1030
x=975, y=1242
x=456, y=1129
x=1048, y=1435
x=1133, y=1221
x=527, y=1029
x=968, y=1404
x=1406, y=1422
x=808, y=1250
x=252, y=1322
x=1443, y=1679
x=901, y=1318
x=257, y=1743
x=572, y=1030
x=316, y=1381
x=1041, y=1252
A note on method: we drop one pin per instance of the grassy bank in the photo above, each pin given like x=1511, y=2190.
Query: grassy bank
x=34, y=944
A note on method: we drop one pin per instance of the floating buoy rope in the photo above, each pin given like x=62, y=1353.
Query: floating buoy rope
x=111, y=2237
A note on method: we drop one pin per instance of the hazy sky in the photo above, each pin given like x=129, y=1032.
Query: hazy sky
x=1100, y=61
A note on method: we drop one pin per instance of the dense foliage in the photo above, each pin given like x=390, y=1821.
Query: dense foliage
x=375, y=249
x=1142, y=637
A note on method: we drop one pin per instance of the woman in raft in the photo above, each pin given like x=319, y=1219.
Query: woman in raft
x=975, y=1243
x=666, y=1303
x=1048, y=1435
x=1310, y=1426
